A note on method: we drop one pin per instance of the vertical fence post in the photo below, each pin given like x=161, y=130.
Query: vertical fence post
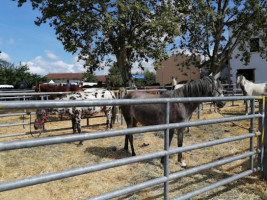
x=260, y=128
x=264, y=161
x=251, y=130
x=122, y=94
x=166, y=148
x=198, y=111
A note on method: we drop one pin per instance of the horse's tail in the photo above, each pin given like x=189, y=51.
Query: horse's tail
x=114, y=114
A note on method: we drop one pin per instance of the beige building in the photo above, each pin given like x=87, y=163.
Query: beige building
x=171, y=68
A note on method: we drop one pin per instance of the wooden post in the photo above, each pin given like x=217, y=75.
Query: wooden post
x=264, y=161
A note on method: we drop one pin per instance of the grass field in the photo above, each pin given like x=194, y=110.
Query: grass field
x=23, y=163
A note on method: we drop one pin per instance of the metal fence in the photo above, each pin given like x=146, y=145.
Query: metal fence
x=260, y=165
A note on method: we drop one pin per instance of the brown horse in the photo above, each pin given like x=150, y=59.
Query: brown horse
x=153, y=114
x=57, y=88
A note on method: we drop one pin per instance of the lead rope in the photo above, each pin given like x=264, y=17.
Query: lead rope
x=232, y=122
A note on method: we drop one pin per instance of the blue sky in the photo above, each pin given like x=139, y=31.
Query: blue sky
x=22, y=41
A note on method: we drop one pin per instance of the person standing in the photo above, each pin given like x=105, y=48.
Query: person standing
x=22, y=84
x=68, y=83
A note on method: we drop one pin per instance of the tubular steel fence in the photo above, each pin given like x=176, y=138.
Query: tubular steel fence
x=260, y=165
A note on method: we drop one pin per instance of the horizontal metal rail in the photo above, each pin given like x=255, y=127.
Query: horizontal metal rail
x=18, y=124
x=97, y=167
x=105, y=102
x=45, y=131
x=215, y=185
x=111, y=133
x=20, y=97
x=173, y=176
x=31, y=94
x=16, y=114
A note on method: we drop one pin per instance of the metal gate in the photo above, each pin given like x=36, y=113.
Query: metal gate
x=260, y=165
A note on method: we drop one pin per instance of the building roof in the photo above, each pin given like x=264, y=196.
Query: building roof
x=64, y=75
x=70, y=76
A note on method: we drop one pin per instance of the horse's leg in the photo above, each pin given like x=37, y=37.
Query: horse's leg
x=76, y=124
x=108, y=116
x=180, y=139
x=247, y=106
x=73, y=121
x=130, y=123
x=130, y=137
x=171, y=132
x=126, y=142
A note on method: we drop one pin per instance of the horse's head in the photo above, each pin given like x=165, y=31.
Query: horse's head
x=37, y=88
x=217, y=90
x=240, y=80
x=41, y=118
x=174, y=81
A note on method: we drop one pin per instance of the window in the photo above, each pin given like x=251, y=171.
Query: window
x=254, y=45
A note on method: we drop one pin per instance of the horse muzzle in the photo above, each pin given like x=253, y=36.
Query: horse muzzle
x=38, y=125
x=220, y=104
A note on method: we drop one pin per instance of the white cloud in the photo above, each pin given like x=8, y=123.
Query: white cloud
x=42, y=67
x=11, y=41
x=5, y=56
x=147, y=65
x=51, y=55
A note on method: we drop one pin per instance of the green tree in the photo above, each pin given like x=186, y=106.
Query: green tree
x=150, y=78
x=131, y=30
x=89, y=77
x=10, y=74
x=207, y=23
x=114, y=79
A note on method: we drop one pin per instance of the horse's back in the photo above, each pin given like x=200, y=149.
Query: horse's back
x=140, y=95
x=146, y=114
x=99, y=93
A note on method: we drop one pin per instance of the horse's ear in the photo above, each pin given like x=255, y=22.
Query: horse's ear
x=211, y=74
x=217, y=76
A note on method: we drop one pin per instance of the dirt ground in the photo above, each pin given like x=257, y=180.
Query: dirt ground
x=23, y=163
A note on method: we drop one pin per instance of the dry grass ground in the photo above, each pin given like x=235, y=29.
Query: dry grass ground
x=18, y=164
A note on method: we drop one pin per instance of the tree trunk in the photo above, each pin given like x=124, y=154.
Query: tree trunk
x=125, y=71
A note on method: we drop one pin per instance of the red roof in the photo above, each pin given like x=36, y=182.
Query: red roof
x=71, y=76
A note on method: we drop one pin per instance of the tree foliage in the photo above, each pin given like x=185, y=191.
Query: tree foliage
x=113, y=78
x=150, y=78
x=129, y=30
x=12, y=75
x=207, y=22
x=89, y=77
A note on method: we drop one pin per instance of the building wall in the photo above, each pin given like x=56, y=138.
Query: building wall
x=171, y=69
x=257, y=68
x=257, y=64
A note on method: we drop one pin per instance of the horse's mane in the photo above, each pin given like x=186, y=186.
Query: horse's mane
x=197, y=88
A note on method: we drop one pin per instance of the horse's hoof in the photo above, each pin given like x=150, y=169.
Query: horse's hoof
x=133, y=154
x=183, y=165
x=80, y=144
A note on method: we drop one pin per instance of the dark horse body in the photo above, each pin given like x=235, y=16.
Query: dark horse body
x=153, y=114
x=57, y=88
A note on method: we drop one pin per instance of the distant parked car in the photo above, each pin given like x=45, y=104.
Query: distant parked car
x=5, y=86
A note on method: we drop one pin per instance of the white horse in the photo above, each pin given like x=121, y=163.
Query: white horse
x=250, y=89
